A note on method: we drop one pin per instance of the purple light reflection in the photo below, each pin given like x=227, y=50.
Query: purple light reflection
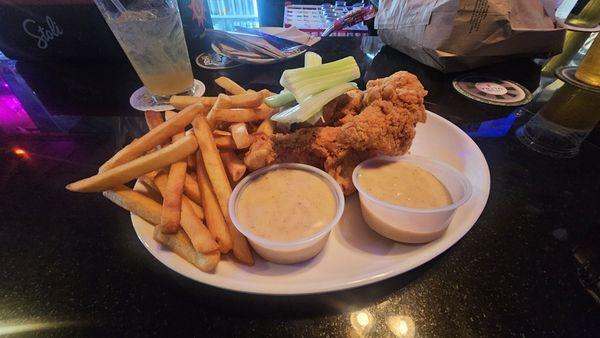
x=13, y=116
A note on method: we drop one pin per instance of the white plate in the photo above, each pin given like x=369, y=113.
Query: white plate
x=354, y=255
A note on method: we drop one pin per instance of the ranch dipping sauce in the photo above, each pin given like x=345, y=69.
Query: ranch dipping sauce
x=286, y=205
x=409, y=199
x=403, y=184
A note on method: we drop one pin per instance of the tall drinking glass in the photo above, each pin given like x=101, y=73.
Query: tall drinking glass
x=561, y=125
x=589, y=69
x=150, y=33
x=586, y=13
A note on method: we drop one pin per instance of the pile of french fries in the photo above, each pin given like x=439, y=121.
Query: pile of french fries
x=193, y=171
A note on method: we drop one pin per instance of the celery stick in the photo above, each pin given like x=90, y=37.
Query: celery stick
x=288, y=79
x=286, y=115
x=306, y=109
x=308, y=81
x=321, y=68
x=323, y=82
x=279, y=100
x=325, y=77
x=299, y=74
x=312, y=59
x=285, y=97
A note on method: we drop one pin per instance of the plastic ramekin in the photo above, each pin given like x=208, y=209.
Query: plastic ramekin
x=413, y=225
x=288, y=252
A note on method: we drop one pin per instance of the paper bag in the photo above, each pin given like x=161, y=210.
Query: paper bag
x=455, y=35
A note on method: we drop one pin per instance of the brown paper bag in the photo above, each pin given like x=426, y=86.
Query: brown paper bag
x=455, y=35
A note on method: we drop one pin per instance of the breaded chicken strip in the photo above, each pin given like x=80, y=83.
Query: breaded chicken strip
x=379, y=121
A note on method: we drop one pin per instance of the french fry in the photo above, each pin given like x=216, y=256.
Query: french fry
x=266, y=93
x=266, y=127
x=153, y=119
x=147, y=187
x=180, y=102
x=148, y=181
x=171, y=206
x=218, y=132
x=135, y=202
x=151, y=175
x=225, y=142
x=213, y=216
x=201, y=238
x=234, y=165
x=181, y=245
x=229, y=85
x=223, y=101
x=136, y=168
x=191, y=190
x=220, y=183
x=246, y=100
x=266, y=109
x=149, y=210
x=157, y=136
x=191, y=163
x=240, y=135
x=241, y=114
x=199, y=212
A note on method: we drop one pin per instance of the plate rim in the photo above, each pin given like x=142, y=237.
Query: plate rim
x=332, y=287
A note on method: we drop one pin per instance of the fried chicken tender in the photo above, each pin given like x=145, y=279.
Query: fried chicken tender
x=348, y=104
x=379, y=121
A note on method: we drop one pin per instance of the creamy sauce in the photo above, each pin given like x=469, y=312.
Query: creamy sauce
x=388, y=229
x=286, y=205
x=403, y=184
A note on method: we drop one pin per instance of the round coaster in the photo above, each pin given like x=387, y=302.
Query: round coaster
x=142, y=100
x=212, y=60
x=567, y=74
x=492, y=90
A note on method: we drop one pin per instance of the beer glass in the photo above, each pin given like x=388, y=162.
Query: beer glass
x=586, y=14
x=572, y=44
x=589, y=69
x=561, y=125
x=151, y=34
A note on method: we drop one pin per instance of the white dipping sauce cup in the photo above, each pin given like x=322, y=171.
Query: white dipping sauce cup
x=413, y=225
x=288, y=252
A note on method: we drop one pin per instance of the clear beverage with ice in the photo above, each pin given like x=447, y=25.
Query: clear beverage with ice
x=152, y=37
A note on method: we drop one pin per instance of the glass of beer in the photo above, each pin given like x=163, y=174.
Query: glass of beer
x=589, y=69
x=572, y=44
x=562, y=123
x=586, y=14
x=151, y=34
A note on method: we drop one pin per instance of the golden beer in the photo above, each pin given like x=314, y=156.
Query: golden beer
x=584, y=14
x=572, y=107
x=589, y=69
x=573, y=41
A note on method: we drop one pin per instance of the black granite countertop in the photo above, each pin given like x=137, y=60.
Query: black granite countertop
x=72, y=264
